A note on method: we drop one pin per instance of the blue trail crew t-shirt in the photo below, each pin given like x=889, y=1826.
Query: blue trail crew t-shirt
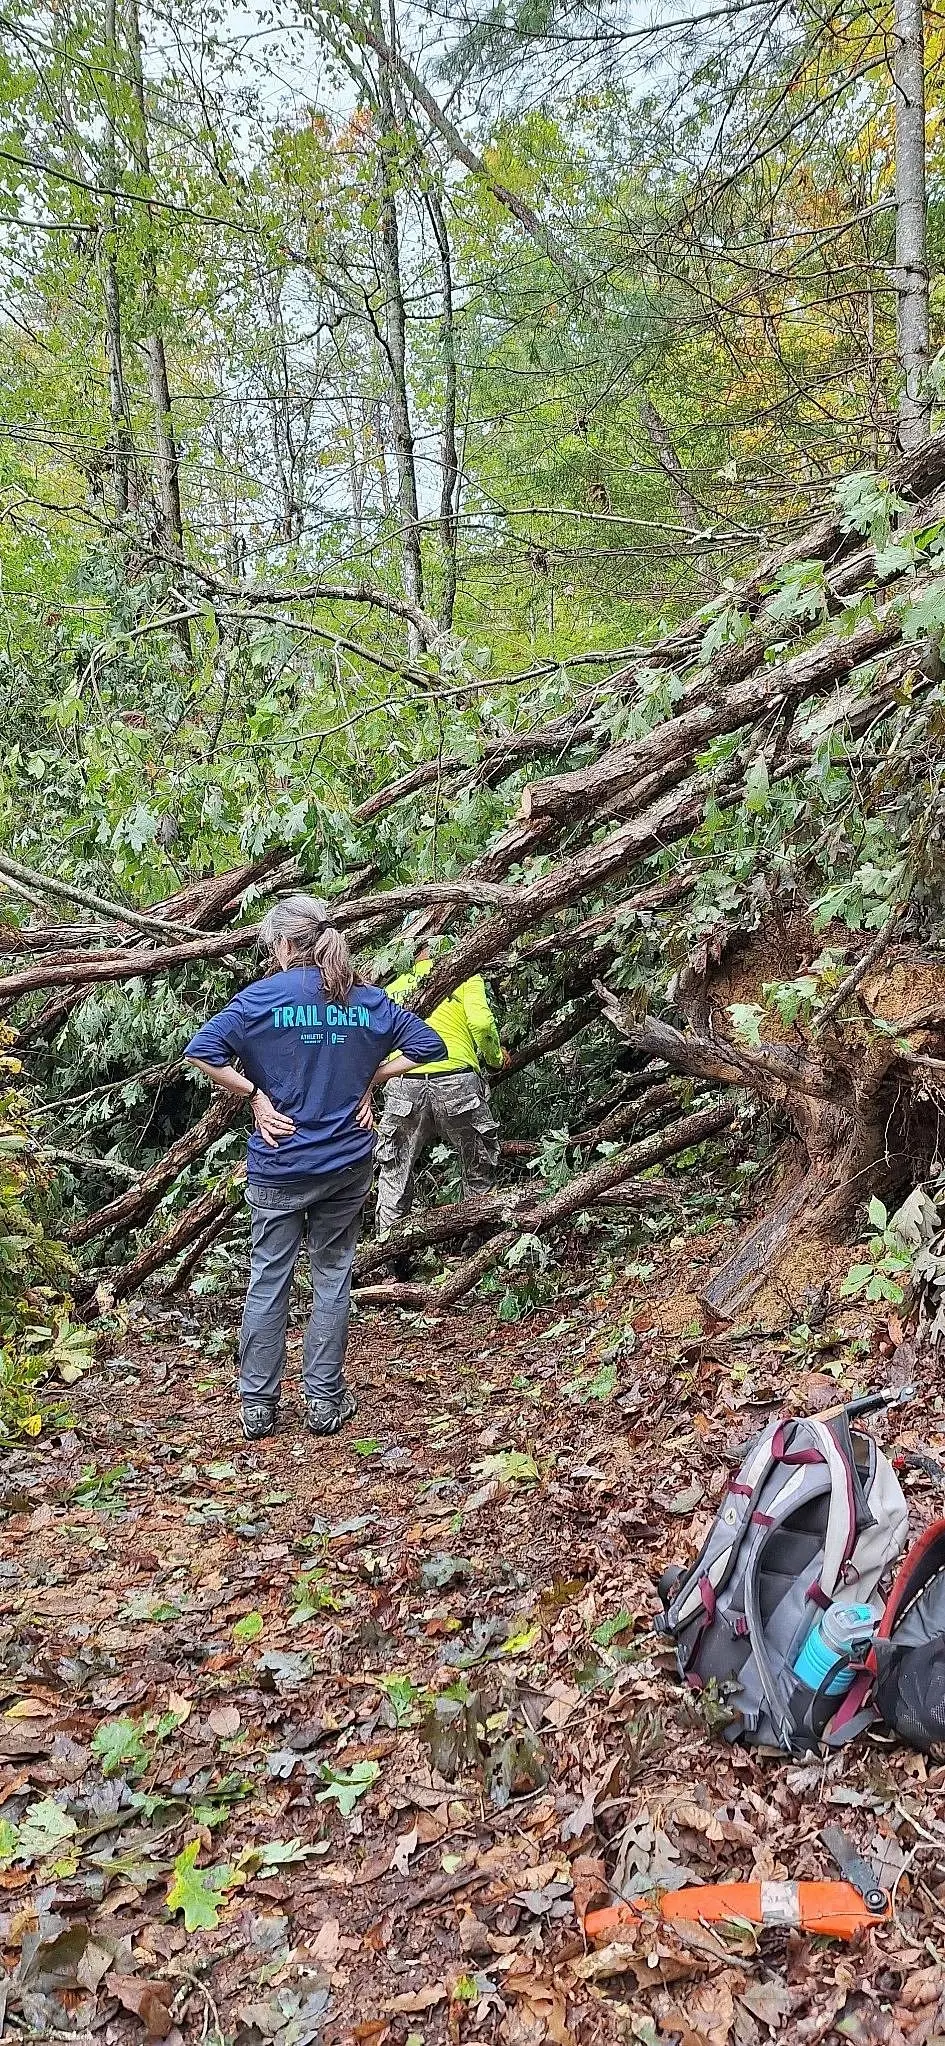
x=314, y=1058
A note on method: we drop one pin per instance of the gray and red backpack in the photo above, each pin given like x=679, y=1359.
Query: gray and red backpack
x=815, y=1514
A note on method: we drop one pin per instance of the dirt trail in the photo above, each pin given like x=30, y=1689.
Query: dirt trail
x=367, y=1715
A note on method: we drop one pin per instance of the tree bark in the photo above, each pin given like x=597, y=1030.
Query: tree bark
x=670, y=464
x=912, y=266
x=122, y=439
x=166, y=465
x=116, y=1285
x=840, y=1088
x=395, y=333
x=449, y=453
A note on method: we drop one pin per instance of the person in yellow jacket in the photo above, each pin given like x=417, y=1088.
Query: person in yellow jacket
x=446, y=1100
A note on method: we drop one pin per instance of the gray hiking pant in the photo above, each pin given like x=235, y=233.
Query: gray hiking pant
x=419, y=1110
x=325, y=1213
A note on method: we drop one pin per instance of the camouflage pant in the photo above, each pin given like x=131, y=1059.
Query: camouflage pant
x=449, y=1108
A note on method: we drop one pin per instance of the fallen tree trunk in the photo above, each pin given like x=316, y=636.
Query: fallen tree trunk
x=526, y=1214
x=82, y=969
x=119, y=1284
x=133, y=1208
x=210, y=1235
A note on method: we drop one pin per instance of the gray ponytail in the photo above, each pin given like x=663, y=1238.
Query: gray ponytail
x=306, y=923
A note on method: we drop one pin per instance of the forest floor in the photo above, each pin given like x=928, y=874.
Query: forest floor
x=234, y=1808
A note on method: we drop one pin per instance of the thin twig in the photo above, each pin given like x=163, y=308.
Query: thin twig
x=848, y=986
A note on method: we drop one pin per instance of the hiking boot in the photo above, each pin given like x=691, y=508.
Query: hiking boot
x=325, y=1417
x=259, y=1418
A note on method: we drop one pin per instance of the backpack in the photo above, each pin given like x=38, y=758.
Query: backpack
x=815, y=1513
x=902, y=1683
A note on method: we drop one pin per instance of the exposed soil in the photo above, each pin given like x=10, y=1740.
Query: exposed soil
x=194, y=1648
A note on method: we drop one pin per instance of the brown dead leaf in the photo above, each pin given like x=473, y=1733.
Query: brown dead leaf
x=921, y=1988
x=94, y=1964
x=767, y=2001
x=429, y=1827
x=545, y=2006
x=561, y=1703
x=224, y=1721
x=415, y=2000
x=147, y=2000
x=589, y=1876
x=406, y=1846
x=327, y=1941
x=474, y=1941
x=650, y=1962
x=696, y=1819
x=708, y=2015
x=30, y=1708
x=24, y=1742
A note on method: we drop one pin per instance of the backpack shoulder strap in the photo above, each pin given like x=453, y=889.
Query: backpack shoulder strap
x=840, y=1536
x=715, y=1561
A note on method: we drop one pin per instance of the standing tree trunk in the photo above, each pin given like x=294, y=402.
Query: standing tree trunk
x=912, y=269
x=395, y=341
x=122, y=441
x=449, y=453
x=167, y=466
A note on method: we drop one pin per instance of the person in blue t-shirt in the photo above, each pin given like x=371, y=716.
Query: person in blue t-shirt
x=310, y=1041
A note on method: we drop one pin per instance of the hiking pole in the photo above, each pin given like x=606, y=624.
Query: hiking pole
x=873, y=1402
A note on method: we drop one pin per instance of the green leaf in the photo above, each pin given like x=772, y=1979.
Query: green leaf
x=757, y=788
x=366, y=1445
x=42, y=1830
x=119, y=1745
x=609, y=1629
x=927, y=615
x=896, y=559
x=7, y=1843
x=288, y=1853
x=519, y=1644
x=249, y=1627
x=510, y=1466
x=197, y=1891
x=403, y=1694
x=878, y=1213
x=746, y=1021
x=344, y=1788
x=857, y=1277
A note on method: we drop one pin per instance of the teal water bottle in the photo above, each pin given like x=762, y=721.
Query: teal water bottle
x=841, y=1635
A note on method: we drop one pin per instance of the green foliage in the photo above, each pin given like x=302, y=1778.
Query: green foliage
x=345, y=1787
x=888, y=1262
x=747, y=1019
x=101, y=1489
x=37, y=1334
x=41, y=1833
x=121, y=1747
x=868, y=506
x=509, y=1466
x=249, y=1628
x=312, y=1595
x=198, y=1892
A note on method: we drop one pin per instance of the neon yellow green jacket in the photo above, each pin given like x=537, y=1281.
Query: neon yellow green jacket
x=464, y=1021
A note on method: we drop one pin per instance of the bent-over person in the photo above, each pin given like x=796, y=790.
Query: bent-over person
x=444, y=1099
